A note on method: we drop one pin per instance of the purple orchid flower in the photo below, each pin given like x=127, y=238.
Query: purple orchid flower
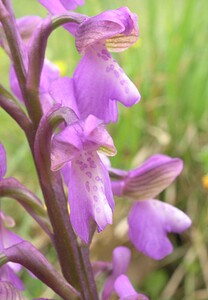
x=7, y=239
x=120, y=262
x=125, y=290
x=115, y=30
x=90, y=195
x=61, y=6
x=151, y=220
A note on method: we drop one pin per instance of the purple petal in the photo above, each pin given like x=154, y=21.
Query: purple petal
x=26, y=26
x=14, y=84
x=120, y=263
x=119, y=27
x=150, y=179
x=71, y=4
x=81, y=136
x=90, y=194
x=50, y=73
x=65, y=146
x=125, y=290
x=149, y=223
x=99, y=82
x=62, y=91
x=55, y=7
x=8, y=275
x=96, y=133
x=60, y=6
x=3, y=166
x=8, y=239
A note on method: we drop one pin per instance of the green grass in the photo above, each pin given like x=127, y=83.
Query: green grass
x=169, y=67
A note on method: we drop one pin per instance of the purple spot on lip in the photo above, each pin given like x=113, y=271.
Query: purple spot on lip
x=87, y=185
x=108, y=69
x=104, y=57
x=97, y=178
x=89, y=174
x=105, y=52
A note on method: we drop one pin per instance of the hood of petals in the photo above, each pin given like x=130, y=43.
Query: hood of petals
x=118, y=27
x=87, y=135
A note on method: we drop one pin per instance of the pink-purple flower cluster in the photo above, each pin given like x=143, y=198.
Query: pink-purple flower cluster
x=84, y=104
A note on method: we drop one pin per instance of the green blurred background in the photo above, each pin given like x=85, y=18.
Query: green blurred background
x=169, y=65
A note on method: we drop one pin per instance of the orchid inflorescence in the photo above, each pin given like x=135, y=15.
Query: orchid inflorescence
x=64, y=122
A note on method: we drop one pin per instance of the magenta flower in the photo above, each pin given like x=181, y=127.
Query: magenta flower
x=90, y=195
x=120, y=263
x=7, y=239
x=151, y=220
x=115, y=30
x=125, y=290
x=61, y=6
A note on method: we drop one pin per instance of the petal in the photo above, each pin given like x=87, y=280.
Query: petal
x=3, y=166
x=26, y=26
x=71, y=4
x=60, y=6
x=49, y=73
x=65, y=146
x=149, y=223
x=77, y=137
x=125, y=290
x=116, y=26
x=97, y=134
x=54, y=7
x=150, y=179
x=90, y=194
x=120, y=264
x=14, y=84
x=99, y=82
x=8, y=275
x=62, y=91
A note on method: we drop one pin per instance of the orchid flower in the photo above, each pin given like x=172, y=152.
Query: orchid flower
x=120, y=262
x=115, y=30
x=89, y=188
x=125, y=290
x=151, y=220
